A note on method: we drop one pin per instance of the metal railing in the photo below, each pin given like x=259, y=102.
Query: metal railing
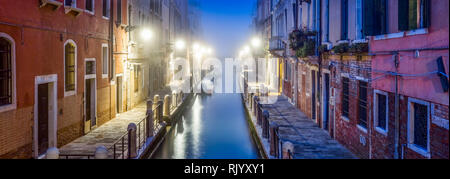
x=76, y=156
x=276, y=44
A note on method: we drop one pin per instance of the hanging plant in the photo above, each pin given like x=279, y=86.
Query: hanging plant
x=307, y=50
x=297, y=38
x=323, y=49
x=341, y=48
x=359, y=48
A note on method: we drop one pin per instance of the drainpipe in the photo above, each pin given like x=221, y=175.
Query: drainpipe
x=397, y=108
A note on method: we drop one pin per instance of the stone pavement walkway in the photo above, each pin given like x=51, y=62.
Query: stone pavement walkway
x=310, y=141
x=107, y=134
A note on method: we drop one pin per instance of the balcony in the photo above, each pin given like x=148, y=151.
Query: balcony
x=276, y=44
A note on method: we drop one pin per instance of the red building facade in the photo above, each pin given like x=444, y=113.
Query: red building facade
x=59, y=82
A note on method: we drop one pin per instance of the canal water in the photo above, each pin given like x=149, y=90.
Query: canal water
x=213, y=127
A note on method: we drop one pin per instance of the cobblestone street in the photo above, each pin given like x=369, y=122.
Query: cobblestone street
x=107, y=134
x=310, y=141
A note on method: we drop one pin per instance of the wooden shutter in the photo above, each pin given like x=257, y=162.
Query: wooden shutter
x=403, y=15
x=368, y=12
x=426, y=13
x=344, y=19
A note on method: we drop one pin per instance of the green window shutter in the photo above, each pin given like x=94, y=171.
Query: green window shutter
x=403, y=13
x=426, y=13
x=368, y=17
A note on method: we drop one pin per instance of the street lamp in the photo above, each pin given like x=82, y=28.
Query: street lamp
x=180, y=44
x=146, y=34
x=256, y=42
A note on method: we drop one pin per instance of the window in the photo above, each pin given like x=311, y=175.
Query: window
x=413, y=14
x=344, y=19
x=6, y=76
x=137, y=72
x=119, y=11
x=69, y=66
x=105, y=60
x=359, y=19
x=362, y=104
x=374, y=17
x=381, y=111
x=71, y=3
x=90, y=5
x=345, y=97
x=106, y=8
x=418, y=126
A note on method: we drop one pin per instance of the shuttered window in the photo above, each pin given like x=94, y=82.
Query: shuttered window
x=344, y=19
x=105, y=60
x=413, y=14
x=345, y=97
x=362, y=104
x=137, y=73
x=70, y=67
x=5, y=72
x=374, y=17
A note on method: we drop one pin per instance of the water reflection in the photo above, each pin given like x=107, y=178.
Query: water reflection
x=214, y=127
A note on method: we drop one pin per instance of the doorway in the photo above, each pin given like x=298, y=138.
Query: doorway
x=326, y=101
x=313, y=95
x=42, y=124
x=119, y=94
x=90, y=96
x=45, y=116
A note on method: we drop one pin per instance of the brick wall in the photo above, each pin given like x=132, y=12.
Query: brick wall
x=348, y=132
x=16, y=133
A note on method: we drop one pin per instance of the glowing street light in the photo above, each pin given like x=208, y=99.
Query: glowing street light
x=209, y=51
x=146, y=34
x=196, y=46
x=180, y=44
x=256, y=42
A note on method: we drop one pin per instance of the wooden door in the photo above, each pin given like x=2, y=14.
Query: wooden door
x=43, y=110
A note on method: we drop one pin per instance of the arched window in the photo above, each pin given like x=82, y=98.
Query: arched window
x=7, y=73
x=70, y=56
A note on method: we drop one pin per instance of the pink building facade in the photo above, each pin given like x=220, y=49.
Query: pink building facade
x=411, y=60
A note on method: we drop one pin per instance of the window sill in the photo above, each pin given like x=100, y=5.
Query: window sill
x=359, y=41
x=90, y=12
x=402, y=34
x=345, y=119
x=106, y=18
x=417, y=32
x=55, y=4
x=105, y=76
x=72, y=10
x=8, y=107
x=69, y=93
x=419, y=150
x=361, y=128
x=381, y=131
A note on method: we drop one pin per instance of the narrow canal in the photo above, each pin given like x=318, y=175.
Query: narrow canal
x=213, y=127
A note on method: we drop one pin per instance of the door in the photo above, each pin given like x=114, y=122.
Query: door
x=43, y=118
x=90, y=117
x=326, y=101
x=119, y=94
x=313, y=94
